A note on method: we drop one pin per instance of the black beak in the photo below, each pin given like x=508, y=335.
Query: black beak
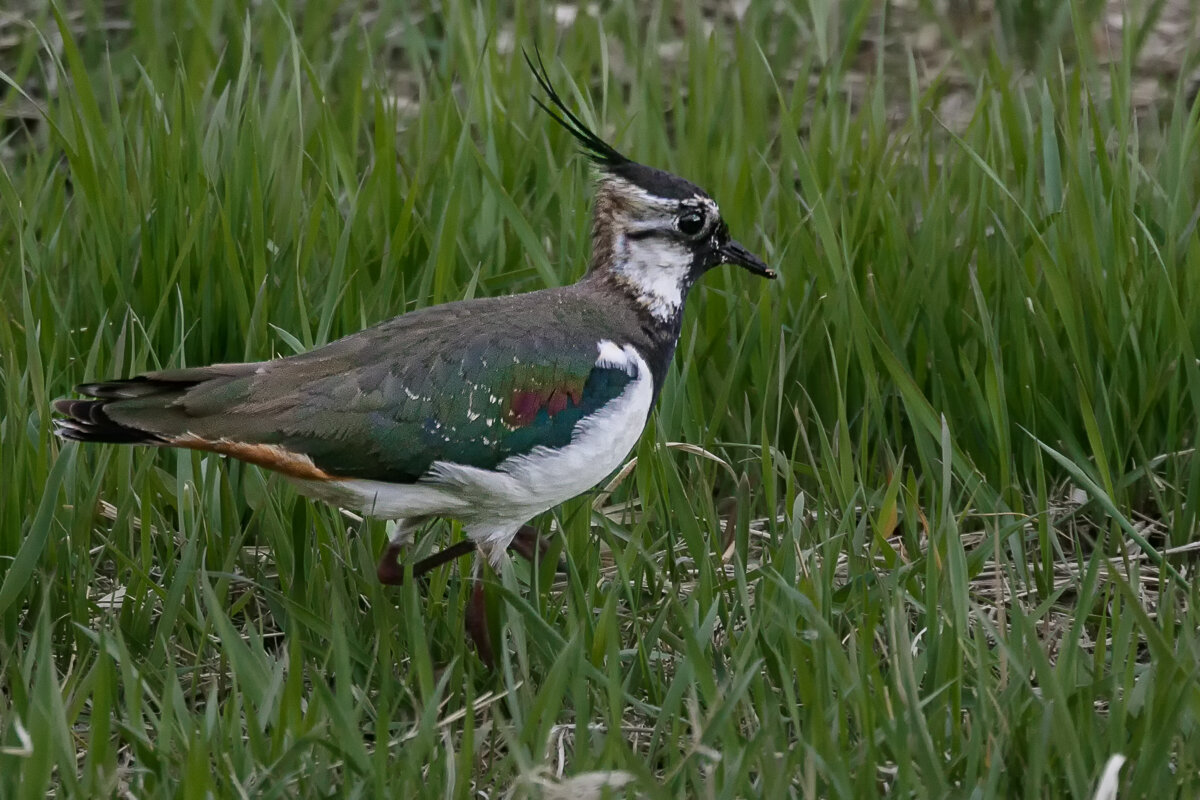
x=734, y=253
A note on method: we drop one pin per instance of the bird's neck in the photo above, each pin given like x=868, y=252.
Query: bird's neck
x=654, y=335
x=654, y=273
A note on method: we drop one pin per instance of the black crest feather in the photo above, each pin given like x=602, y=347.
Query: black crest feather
x=597, y=149
x=655, y=181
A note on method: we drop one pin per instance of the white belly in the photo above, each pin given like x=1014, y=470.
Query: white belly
x=521, y=487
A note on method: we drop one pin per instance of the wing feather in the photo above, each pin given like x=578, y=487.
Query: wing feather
x=383, y=404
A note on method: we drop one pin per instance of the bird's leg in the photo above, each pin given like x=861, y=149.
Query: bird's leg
x=390, y=571
x=475, y=615
x=526, y=542
x=476, y=623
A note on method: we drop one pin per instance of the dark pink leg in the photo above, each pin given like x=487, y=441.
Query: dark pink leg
x=526, y=543
x=391, y=571
x=477, y=625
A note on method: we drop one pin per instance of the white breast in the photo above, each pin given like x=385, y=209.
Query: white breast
x=599, y=443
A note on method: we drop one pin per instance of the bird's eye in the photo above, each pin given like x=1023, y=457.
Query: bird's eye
x=690, y=223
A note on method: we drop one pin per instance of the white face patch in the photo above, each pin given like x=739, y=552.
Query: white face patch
x=651, y=256
x=657, y=269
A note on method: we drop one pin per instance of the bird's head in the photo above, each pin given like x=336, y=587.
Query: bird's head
x=652, y=232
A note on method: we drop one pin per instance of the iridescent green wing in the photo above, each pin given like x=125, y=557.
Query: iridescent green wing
x=470, y=383
x=477, y=409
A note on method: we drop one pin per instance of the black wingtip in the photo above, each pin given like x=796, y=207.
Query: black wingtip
x=87, y=421
x=597, y=149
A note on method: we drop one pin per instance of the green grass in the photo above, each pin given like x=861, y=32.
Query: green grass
x=952, y=447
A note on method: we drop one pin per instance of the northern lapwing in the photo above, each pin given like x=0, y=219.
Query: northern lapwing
x=490, y=411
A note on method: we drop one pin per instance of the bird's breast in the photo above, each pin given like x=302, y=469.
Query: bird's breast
x=546, y=476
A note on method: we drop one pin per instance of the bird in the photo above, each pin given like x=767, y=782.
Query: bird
x=489, y=411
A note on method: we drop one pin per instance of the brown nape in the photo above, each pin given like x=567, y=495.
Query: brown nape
x=604, y=216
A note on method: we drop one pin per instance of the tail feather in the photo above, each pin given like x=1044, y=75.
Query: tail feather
x=201, y=409
x=88, y=421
